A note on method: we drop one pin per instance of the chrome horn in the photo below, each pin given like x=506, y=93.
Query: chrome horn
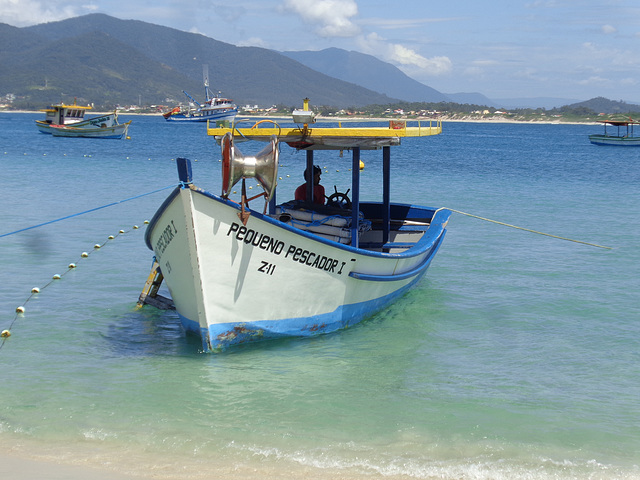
x=263, y=167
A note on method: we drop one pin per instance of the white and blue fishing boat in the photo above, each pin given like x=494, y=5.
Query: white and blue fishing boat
x=623, y=135
x=63, y=120
x=215, y=107
x=238, y=273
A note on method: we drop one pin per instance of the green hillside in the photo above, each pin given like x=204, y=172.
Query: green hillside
x=107, y=61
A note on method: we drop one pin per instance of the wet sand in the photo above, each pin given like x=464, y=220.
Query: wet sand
x=18, y=468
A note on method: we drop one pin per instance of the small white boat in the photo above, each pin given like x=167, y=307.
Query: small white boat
x=623, y=136
x=239, y=274
x=64, y=120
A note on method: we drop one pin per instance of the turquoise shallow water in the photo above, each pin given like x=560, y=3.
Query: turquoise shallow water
x=516, y=357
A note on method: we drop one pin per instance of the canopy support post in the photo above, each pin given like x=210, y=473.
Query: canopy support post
x=386, y=193
x=310, y=184
x=355, y=196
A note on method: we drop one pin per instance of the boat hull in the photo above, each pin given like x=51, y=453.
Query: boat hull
x=114, y=132
x=108, y=120
x=205, y=115
x=612, y=140
x=233, y=283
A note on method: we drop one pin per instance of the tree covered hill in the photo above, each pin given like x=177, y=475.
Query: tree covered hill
x=604, y=105
x=104, y=60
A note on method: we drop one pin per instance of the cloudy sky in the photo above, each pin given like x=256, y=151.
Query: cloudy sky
x=575, y=49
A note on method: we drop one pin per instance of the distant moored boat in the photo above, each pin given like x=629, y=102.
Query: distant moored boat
x=623, y=136
x=64, y=120
x=215, y=107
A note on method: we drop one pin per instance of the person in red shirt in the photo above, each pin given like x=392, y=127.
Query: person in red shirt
x=318, y=190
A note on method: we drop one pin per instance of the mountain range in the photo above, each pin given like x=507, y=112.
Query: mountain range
x=369, y=72
x=379, y=76
x=103, y=60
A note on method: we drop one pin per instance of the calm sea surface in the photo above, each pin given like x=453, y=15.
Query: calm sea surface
x=517, y=357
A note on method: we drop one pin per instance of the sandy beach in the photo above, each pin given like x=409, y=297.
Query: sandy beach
x=443, y=118
x=18, y=468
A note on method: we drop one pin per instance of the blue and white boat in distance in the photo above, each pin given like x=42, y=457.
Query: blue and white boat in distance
x=623, y=136
x=215, y=107
x=238, y=273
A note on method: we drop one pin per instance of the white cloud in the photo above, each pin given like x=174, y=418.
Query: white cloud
x=608, y=29
x=404, y=23
x=400, y=55
x=597, y=81
x=484, y=63
x=253, y=42
x=22, y=13
x=335, y=19
x=612, y=56
x=474, y=72
x=332, y=17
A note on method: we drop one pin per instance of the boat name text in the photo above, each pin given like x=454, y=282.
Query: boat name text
x=165, y=239
x=260, y=240
x=275, y=246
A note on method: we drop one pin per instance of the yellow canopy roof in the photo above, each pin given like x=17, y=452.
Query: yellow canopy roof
x=331, y=138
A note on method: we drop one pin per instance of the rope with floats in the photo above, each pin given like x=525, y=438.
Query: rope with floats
x=5, y=334
x=86, y=211
x=524, y=229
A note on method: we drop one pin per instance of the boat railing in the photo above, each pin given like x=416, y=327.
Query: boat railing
x=423, y=126
x=403, y=124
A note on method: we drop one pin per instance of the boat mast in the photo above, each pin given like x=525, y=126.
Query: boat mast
x=205, y=79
